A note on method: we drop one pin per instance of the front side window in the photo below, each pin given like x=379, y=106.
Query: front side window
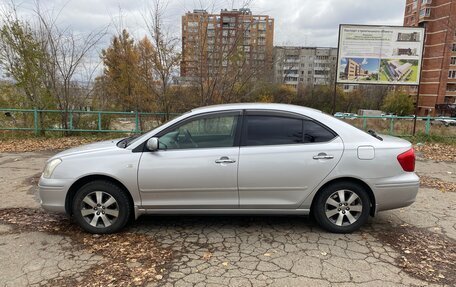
x=272, y=130
x=207, y=132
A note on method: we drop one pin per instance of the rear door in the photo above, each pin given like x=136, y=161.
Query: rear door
x=282, y=158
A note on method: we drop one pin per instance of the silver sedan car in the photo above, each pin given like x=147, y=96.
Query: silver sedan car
x=235, y=159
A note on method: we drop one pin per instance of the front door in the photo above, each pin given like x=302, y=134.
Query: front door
x=195, y=166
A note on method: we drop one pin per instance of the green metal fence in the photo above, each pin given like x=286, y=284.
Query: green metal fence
x=403, y=125
x=79, y=121
x=38, y=121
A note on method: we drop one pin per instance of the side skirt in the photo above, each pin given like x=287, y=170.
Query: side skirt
x=140, y=211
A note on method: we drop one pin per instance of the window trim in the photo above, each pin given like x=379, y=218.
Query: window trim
x=283, y=114
x=237, y=132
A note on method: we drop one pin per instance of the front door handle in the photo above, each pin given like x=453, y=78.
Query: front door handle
x=225, y=159
x=323, y=155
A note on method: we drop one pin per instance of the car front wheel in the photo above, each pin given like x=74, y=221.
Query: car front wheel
x=101, y=207
x=341, y=207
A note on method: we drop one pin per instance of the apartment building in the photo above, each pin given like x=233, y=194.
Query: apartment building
x=214, y=42
x=438, y=75
x=304, y=66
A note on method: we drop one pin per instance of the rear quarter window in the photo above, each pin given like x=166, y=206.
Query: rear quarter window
x=315, y=132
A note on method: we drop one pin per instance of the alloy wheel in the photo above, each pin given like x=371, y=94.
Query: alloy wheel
x=343, y=207
x=99, y=209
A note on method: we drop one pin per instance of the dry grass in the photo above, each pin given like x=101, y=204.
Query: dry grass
x=44, y=144
x=425, y=255
x=436, y=151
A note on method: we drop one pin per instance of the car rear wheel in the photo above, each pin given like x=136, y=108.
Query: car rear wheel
x=101, y=207
x=341, y=207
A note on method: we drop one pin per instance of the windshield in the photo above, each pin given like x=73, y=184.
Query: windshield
x=123, y=143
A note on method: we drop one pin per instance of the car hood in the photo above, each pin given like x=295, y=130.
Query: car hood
x=88, y=148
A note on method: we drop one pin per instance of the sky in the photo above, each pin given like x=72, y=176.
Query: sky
x=297, y=22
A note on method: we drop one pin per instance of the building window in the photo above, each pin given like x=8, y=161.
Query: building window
x=426, y=12
x=452, y=74
x=453, y=48
x=424, y=2
x=453, y=60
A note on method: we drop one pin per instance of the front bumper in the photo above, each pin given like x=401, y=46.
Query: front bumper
x=395, y=192
x=53, y=193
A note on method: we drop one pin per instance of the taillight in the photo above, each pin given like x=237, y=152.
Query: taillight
x=407, y=160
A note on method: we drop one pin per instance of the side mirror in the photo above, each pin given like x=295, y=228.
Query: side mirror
x=152, y=144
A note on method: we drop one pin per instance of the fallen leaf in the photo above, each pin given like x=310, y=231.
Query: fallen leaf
x=207, y=255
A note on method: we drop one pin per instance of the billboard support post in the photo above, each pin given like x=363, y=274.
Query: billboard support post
x=416, y=109
x=337, y=75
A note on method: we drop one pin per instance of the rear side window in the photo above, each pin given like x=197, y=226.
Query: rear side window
x=272, y=130
x=315, y=133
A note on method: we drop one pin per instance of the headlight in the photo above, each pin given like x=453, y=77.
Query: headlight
x=50, y=166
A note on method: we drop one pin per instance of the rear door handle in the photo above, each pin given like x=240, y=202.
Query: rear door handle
x=225, y=159
x=323, y=155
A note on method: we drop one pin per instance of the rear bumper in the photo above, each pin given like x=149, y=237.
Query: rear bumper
x=395, y=192
x=52, y=193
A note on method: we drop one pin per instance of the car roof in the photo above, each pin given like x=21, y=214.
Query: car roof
x=260, y=106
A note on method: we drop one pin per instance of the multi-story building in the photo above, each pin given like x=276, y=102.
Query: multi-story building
x=438, y=74
x=213, y=42
x=304, y=66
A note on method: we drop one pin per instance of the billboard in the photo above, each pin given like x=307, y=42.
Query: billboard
x=379, y=55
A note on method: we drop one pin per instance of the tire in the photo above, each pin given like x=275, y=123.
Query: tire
x=335, y=210
x=101, y=207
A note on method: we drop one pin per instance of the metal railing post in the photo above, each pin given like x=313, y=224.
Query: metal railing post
x=136, y=122
x=71, y=120
x=35, y=121
x=427, y=130
x=391, y=126
x=99, y=121
x=364, y=123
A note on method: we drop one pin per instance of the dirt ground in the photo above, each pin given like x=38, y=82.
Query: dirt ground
x=414, y=246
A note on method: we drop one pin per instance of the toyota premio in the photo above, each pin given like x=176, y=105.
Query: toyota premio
x=235, y=159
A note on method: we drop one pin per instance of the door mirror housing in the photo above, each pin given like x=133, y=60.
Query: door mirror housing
x=152, y=144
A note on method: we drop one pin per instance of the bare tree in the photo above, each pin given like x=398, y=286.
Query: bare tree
x=164, y=55
x=68, y=68
x=52, y=64
x=22, y=57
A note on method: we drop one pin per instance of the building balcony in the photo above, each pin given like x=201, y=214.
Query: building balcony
x=425, y=2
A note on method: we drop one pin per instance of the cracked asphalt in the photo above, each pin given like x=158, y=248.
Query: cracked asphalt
x=391, y=250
